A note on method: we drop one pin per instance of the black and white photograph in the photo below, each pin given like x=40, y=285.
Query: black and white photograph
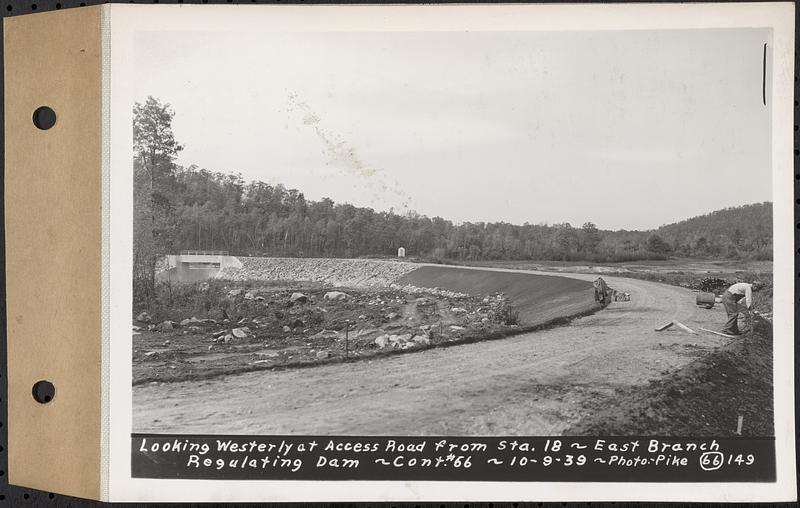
x=461, y=233
x=494, y=234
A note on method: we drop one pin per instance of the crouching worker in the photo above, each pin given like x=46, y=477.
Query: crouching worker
x=731, y=300
x=601, y=292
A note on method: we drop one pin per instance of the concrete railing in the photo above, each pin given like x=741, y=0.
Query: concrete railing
x=204, y=253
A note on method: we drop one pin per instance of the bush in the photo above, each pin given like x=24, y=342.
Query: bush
x=506, y=314
x=713, y=285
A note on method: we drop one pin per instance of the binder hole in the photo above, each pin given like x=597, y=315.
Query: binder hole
x=43, y=391
x=44, y=118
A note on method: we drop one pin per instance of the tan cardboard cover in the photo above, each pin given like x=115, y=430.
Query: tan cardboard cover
x=53, y=249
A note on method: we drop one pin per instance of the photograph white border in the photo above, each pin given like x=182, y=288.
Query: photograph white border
x=123, y=21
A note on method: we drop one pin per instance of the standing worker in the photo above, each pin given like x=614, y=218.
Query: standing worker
x=730, y=299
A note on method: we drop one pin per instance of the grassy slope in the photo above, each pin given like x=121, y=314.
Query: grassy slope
x=538, y=298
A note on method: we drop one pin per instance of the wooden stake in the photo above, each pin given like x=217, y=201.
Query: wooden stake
x=739, y=425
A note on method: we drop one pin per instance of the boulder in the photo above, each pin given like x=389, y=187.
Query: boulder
x=186, y=322
x=322, y=355
x=392, y=316
x=458, y=310
x=286, y=329
x=227, y=339
x=241, y=333
x=166, y=326
x=335, y=295
x=364, y=332
x=456, y=328
x=421, y=339
x=401, y=339
x=234, y=292
x=298, y=298
x=382, y=341
x=325, y=335
x=144, y=317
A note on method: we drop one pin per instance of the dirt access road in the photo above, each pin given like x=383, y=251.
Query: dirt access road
x=533, y=384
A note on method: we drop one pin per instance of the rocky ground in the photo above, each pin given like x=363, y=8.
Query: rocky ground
x=218, y=328
x=336, y=272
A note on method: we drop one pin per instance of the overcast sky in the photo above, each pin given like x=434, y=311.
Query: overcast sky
x=627, y=129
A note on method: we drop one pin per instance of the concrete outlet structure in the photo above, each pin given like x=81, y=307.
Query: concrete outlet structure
x=193, y=266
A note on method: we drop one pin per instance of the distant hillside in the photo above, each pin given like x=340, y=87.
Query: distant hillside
x=217, y=211
x=741, y=231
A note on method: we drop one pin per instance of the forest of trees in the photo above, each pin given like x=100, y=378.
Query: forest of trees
x=178, y=208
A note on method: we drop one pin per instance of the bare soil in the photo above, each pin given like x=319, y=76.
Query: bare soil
x=705, y=398
x=540, y=383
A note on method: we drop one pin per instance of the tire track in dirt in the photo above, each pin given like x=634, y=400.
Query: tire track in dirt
x=532, y=384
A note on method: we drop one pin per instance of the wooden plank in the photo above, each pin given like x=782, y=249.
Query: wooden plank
x=683, y=327
x=719, y=333
x=663, y=327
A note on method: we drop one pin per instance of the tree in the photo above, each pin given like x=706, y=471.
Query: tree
x=591, y=237
x=657, y=245
x=154, y=224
